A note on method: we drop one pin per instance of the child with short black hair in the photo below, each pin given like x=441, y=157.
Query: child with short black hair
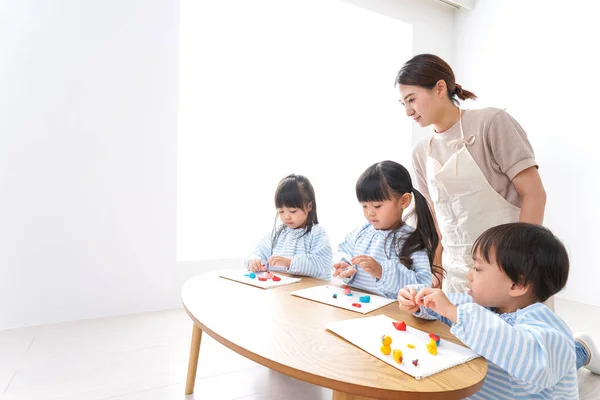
x=530, y=350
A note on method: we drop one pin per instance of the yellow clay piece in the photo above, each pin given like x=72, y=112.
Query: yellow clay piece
x=398, y=356
x=386, y=340
x=410, y=346
x=432, y=347
x=386, y=350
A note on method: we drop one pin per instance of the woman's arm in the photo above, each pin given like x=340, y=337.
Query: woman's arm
x=532, y=194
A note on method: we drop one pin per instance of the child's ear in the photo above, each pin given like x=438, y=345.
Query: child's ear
x=405, y=200
x=309, y=207
x=518, y=289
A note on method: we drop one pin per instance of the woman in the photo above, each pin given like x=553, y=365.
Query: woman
x=477, y=169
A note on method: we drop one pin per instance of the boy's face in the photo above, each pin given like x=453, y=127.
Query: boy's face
x=488, y=284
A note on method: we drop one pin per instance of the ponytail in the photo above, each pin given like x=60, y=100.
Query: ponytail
x=463, y=94
x=424, y=237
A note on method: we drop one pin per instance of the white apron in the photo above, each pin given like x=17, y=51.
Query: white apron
x=466, y=205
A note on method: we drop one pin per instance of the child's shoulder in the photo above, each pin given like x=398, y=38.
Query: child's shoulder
x=363, y=229
x=317, y=230
x=541, y=317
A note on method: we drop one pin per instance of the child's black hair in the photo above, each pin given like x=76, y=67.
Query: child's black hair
x=295, y=191
x=528, y=254
x=387, y=180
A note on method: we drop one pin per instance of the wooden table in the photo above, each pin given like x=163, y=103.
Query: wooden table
x=287, y=334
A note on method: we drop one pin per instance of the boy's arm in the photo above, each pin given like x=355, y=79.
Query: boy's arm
x=532, y=350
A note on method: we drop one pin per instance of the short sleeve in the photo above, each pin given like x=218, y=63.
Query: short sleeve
x=419, y=157
x=509, y=145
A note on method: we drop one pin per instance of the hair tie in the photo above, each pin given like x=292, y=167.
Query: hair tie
x=457, y=88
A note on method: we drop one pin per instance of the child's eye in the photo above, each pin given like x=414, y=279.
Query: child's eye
x=379, y=206
x=476, y=269
x=411, y=100
x=293, y=211
x=280, y=211
x=403, y=105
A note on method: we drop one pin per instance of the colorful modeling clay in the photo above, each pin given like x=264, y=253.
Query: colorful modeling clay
x=251, y=275
x=397, y=355
x=400, y=325
x=410, y=346
x=432, y=347
x=365, y=299
x=415, y=362
x=276, y=278
x=357, y=305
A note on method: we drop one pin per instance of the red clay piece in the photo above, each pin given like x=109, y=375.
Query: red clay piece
x=400, y=325
x=357, y=305
x=262, y=278
x=276, y=278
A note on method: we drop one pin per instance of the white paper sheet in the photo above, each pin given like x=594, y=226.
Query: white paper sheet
x=239, y=275
x=324, y=294
x=367, y=333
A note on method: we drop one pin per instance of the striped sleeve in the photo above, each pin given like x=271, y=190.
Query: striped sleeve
x=262, y=251
x=455, y=298
x=541, y=356
x=346, y=250
x=316, y=263
x=395, y=276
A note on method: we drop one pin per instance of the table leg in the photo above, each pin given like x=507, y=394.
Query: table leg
x=346, y=396
x=193, y=363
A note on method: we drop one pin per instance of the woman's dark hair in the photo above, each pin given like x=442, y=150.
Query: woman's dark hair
x=387, y=180
x=528, y=254
x=295, y=191
x=426, y=70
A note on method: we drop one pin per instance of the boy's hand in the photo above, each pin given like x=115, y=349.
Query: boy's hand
x=406, y=300
x=278, y=261
x=436, y=300
x=343, y=270
x=369, y=265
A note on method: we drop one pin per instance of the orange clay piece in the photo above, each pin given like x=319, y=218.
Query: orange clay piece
x=432, y=347
x=398, y=356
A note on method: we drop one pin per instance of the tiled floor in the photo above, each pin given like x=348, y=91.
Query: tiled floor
x=145, y=357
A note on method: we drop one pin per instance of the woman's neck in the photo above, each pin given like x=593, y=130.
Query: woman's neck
x=449, y=116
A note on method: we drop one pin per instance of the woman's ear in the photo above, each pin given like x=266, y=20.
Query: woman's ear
x=441, y=88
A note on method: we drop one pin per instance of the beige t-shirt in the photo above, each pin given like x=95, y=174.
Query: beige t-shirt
x=501, y=150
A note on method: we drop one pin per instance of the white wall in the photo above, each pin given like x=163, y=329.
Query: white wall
x=433, y=32
x=537, y=59
x=88, y=104
x=88, y=122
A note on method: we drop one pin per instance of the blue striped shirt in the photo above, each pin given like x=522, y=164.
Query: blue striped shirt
x=530, y=352
x=310, y=253
x=369, y=241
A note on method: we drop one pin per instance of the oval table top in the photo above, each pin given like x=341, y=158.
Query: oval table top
x=287, y=334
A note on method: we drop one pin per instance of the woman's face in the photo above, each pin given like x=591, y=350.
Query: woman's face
x=421, y=104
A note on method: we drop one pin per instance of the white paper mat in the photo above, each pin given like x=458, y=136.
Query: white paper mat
x=367, y=333
x=240, y=275
x=324, y=294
